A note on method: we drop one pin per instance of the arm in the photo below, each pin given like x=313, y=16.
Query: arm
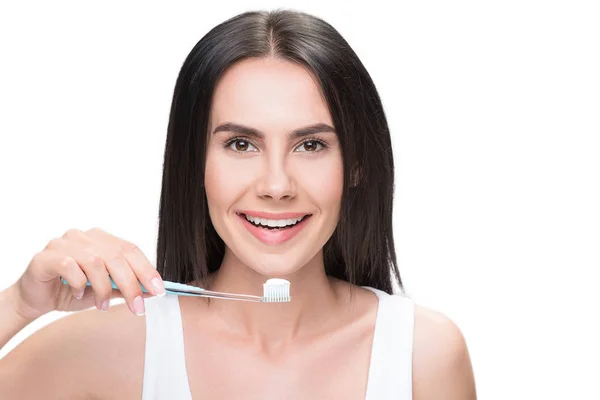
x=12, y=322
x=441, y=363
x=87, y=354
x=40, y=366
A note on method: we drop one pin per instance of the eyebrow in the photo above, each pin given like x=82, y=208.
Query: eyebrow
x=296, y=133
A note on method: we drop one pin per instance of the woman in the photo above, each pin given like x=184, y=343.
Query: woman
x=281, y=116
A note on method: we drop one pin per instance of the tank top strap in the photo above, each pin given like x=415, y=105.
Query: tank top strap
x=165, y=374
x=390, y=371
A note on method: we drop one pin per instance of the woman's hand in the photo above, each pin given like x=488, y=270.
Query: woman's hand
x=80, y=256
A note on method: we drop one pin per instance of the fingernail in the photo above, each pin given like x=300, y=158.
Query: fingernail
x=138, y=306
x=159, y=286
x=105, y=305
x=79, y=294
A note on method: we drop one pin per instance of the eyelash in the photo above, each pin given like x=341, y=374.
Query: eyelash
x=232, y=140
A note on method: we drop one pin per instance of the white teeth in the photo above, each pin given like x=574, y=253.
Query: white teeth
x=273, y=223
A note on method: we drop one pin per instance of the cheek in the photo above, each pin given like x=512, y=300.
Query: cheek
x=222, y=181
x=323, y=180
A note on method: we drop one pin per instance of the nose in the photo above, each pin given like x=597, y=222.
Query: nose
x=275, y=182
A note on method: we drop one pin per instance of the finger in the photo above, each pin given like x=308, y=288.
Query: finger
x=64, y=266
x=127, y=282
x=69, y=244
x=79, y=246
x=74, y=276
x=144, y=271
x=94, y=268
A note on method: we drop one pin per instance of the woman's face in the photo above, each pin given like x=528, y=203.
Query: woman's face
x=267, y=171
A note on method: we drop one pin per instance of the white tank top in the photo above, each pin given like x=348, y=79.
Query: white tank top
x=390, y=370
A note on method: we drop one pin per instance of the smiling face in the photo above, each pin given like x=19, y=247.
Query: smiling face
x=272, y=150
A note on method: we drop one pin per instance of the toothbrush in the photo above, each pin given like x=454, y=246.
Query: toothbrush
x=274, y=291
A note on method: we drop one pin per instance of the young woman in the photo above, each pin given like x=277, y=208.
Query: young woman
x=274, y=121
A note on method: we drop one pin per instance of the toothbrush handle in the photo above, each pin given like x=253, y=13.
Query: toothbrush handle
x=113, y=284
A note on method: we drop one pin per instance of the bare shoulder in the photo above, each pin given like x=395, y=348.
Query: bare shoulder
x=441, y=362
x=84, y=355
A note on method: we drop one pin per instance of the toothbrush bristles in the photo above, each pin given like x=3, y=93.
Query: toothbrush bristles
x=276, y=291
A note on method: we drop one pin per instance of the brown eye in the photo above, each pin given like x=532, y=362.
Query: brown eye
x=310, y=146
x=239, y=145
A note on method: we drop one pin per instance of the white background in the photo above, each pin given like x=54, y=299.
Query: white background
x=494, y=108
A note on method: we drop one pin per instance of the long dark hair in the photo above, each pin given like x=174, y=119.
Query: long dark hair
x=361, y=249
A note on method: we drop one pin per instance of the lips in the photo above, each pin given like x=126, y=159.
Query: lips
x=274, y=237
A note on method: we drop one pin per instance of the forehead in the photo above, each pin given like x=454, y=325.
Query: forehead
x=268, y=93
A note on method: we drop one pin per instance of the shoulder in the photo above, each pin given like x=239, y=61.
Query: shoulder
x=100, y=353
x=441, y=363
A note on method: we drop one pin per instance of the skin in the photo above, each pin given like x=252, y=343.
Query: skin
x=101, y=355
x=273, y=175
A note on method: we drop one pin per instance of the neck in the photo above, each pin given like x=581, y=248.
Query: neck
x=274, y=325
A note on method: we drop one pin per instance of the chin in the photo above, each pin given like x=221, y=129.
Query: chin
x=274, y=272
x=276, y=268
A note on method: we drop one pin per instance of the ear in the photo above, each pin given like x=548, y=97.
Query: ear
x=356, y=176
